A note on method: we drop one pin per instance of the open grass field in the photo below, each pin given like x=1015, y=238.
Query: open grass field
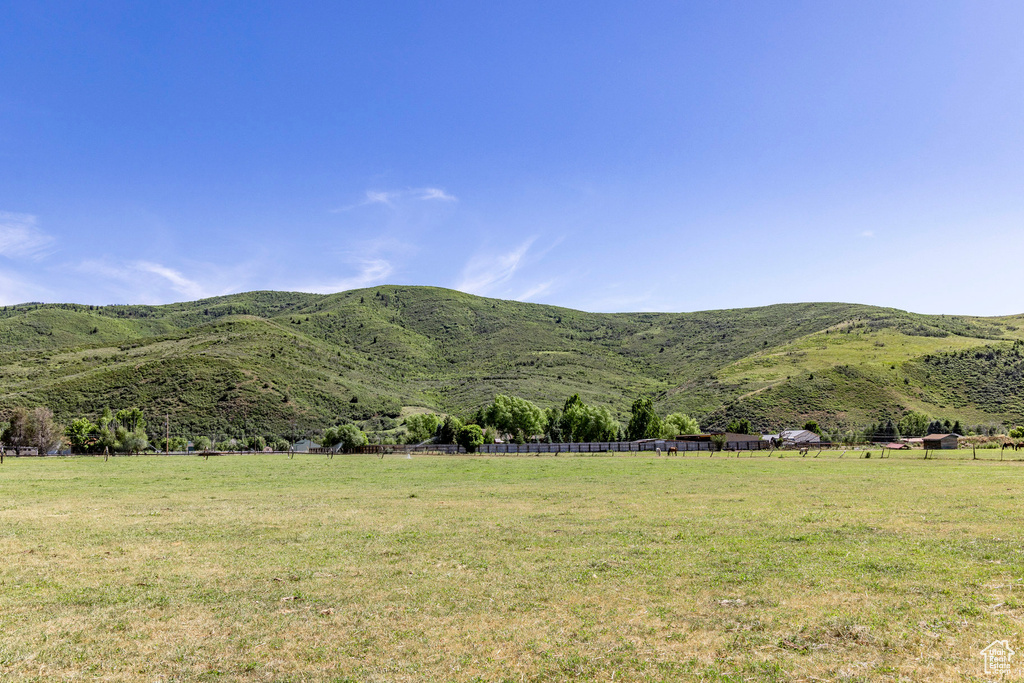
x=261, y=568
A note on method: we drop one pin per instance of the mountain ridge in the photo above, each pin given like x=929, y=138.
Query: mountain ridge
x=274, y=361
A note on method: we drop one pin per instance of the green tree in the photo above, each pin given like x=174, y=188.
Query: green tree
x=581, y=423
x=449, y=430
x=175, y=443
x=643, y=422
x=81, y=433
x=105, y=419
x=351, y=437
x=887, y=431
x=331, y=438
x=131, y=419
x=130, y=442
x=256, y=443
x=470, y=437
x=812, y=426
x=553, y=426
x=679, y=424
x=202, y=443
x=913, y=424
x=106, y=441
x=422, y=427
x=740, y=427
x=512, y=415
x=490, y=435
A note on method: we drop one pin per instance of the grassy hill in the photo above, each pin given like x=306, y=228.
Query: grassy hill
x=286, y=362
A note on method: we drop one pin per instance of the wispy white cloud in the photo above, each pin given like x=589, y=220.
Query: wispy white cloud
x=618, y=303
x=536, y=290
x=374, y=197
x=17, y=290
x=428, y=193
x=393, y=197
x=483, y=273
x=369, y=272
x=179, y=283
x=20, y=238
x=868, y=233
x=147, y=282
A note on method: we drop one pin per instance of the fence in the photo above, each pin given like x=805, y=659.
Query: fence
x=527, y=448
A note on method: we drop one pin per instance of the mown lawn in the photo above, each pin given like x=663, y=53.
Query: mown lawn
x=508, y=569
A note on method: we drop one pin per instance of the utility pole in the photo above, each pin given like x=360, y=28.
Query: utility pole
x=167, y=437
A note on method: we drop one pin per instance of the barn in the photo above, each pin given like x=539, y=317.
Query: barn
x=733, y=442
x=936, y=442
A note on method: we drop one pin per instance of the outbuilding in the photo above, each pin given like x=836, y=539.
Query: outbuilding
x=799, y=437
x=936, y=442
x=733, y=442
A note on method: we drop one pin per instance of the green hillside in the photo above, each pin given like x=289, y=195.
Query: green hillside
x=284, y=362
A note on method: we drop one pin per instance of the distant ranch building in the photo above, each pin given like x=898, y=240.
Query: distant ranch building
x=733, y=442
x=799, y=437
x=936, y=442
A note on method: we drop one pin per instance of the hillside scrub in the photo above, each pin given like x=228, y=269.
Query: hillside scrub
x=277, y=362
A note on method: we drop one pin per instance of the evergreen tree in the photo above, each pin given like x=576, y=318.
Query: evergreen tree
x=643, y=422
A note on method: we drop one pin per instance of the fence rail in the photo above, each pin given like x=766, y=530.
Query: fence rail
x=526, y=448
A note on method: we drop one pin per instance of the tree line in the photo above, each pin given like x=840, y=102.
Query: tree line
x=516, y=420
x=511, y=419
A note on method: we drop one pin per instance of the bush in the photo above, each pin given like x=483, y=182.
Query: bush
x=449, y=430
x=470, y=437
x=350, y=437
x=422, y=427
x=256, y=443
x=130, y=442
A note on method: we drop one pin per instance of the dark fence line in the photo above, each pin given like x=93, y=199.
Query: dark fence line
x=517, y=449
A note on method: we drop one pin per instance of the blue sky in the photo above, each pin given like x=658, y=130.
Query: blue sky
x=606, y=156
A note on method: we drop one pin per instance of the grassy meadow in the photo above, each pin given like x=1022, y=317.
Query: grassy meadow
x=264, y=568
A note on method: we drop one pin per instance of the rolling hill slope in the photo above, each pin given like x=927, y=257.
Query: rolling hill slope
x=275, y=361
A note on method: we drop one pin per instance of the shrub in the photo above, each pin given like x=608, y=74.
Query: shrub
x=470, y=437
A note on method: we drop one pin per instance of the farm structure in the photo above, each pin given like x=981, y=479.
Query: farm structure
x=937, y=442
x=733, y=442
x=19, y=451
x=799, y=437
